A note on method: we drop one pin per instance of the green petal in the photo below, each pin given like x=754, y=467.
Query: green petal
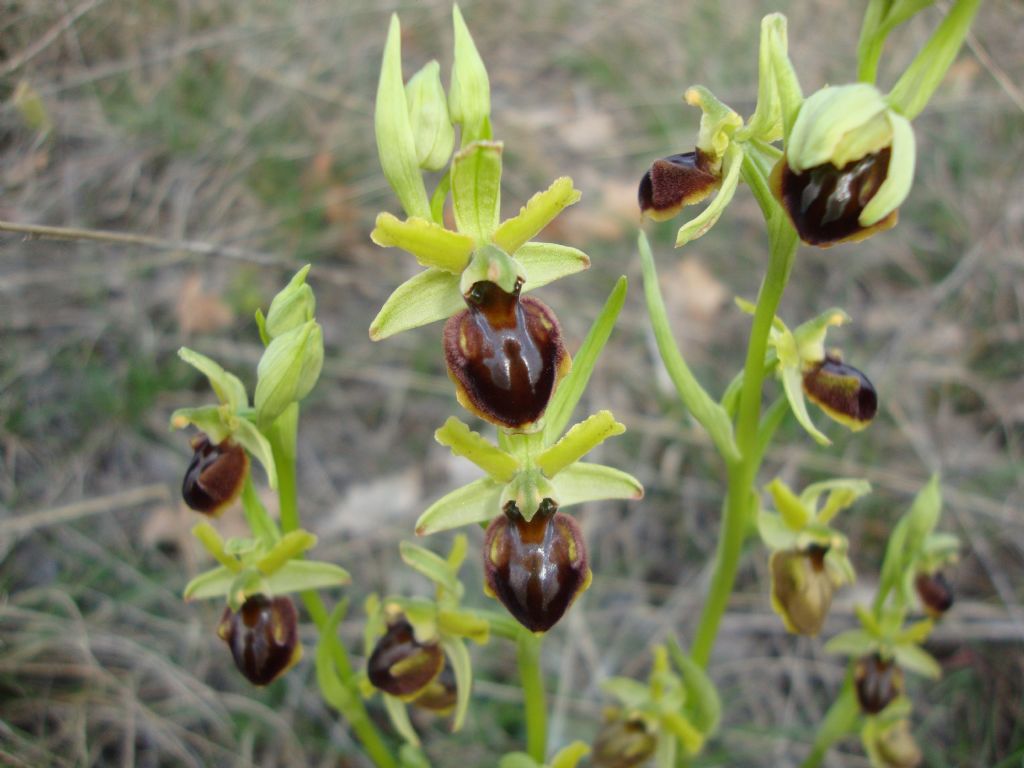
x=578, y=442
x=426, y=298
x=476, y=189
x=571, y=389
x=631, y=693
x=689, y=737
x=539, y=211
x=582, y=482
x=227, y=386
x=478, y=502
x=915, y=659
x=792, y=510
x=463, y=442
x=396, y=145
x=433, y=566
x=842, y=492
x=430, y=243
x=775, y=533
x=852, y=642
x=898, y=179
x=291, y=545
x=462, y=666
x=208, y=419
x=706, y=219
x=300, y=575
x=212, y=583
x=250, y=438
x=399, y=717
x=793, y=383
x=546, y=262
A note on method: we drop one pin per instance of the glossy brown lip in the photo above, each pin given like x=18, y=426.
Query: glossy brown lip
x=536, y=568
x=935, y=592
x=878, y=683
x=400, y=664
x=505, y=354
x=842, y=391
x=214, y=476
x=262, y=636
x=825, y=202
x=674, y=182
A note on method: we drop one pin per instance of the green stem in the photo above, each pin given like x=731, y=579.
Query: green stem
x=283, y=436
x=743, y=472
x=259, y=521
x=840, y=720
x=532, y=680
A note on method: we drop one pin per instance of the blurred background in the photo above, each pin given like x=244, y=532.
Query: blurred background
x=237, y=139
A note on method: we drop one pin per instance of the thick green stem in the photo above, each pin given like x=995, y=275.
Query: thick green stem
x=743, y=473
x=283, y=440
x=531, y=678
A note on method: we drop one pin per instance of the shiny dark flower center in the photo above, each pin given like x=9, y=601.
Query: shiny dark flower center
x=262, y=636
x=400, y=664
x=878, y=683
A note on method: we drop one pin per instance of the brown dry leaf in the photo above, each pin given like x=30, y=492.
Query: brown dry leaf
x=199, y=312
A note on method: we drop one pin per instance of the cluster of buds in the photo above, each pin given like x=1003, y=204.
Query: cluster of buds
x=255, y=575
x=503, y=349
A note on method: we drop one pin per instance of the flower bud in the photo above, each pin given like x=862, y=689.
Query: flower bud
x=215, y=475
x=622, y=742
x=288, y=370
x=401, y=665
x=896, y=748
x=293, y=306
x=505, y=355
x=536, y=568
x=842, y=392
x=432, y=129
x=263, y=637
x=935, y=593
x=674, y=182
x=878, y=682
x=440, y=694
x=801, y=588
x=848, y=166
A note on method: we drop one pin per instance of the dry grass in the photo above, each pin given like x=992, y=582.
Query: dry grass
x=238, y=137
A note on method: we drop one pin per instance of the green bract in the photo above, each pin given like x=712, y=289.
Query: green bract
x=432, y=129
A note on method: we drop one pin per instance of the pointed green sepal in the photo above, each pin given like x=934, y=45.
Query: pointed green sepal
x=291, y=545
x=774, y=532
x=709, y=414
x=469, y=96
x=632, y=694
x=792, y=383
x=430, y=243
x=293, y=306
x=899, y=177
x=462, y=441
x=703, y=705
x=852, y=642
x=399, y=717
x=916, y=659
x=214, y=543
x=430, y=296
x=539, y=211
x=792, y=510
x=582, y=482
x=518, y=760
x=578, y=442
x=571, y=389
x=544, y=263
x=464, y=624
x=228, y=387
x=842, y=493
x=462, y=666
x=477, y=502
x=690, y=739
x=706, y=219
x=476, y=189
x=718, y=123
x=212, y=583
x=396, y=145
x=301, y=575
x=432, y=566
x=570, y=755
x=208, y=419
x=249, y=437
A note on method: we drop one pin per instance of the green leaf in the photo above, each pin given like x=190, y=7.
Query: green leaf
x=208, y=419
x=476, y=189
x=852, y=642
x=300, y=575
x=431, y=565
x=689, y=737
x=915, y=659
x=706, y=219
x=228, y=387
x=915, y=87
x=794, y=513
x=792, y=383
x=288, y=371
x=582, y=482
x=570, y=755
x=518, y=760
x=703, y=704
x=212, y=583
x=539, y=211
x=477, y=502
x=332, y=690
x=923, y=515
x=710, y=414
x=249, y=437
x=430, y=296
x=462, y=666
x=399, y=717
x=396, y=145
x=469, y=96
x=457, y=436
x=410, y=756
x=571, y=389
x=578, y=442
x=631, y=693
x=544, y=263
x=430, y=243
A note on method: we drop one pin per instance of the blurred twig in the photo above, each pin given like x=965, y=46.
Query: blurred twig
x=48, y=38
x=32, y=520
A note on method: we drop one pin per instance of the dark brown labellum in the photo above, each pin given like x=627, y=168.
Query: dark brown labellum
x=843, y=392
x=215, y=475
x=623, y=742
x=400, y=664
x=505, y=354
x=935, y=592
x=674, y=182
x=263, y=637
x=825, y=202
x=440, y=694
x=878, y=682
x=536, y=568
